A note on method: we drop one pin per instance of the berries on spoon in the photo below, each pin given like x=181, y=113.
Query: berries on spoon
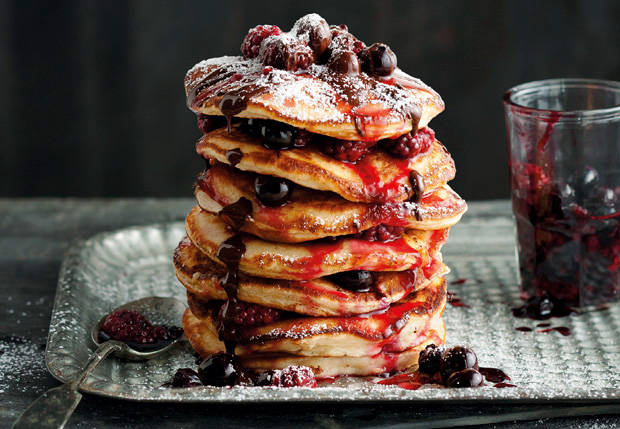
x=129, y=326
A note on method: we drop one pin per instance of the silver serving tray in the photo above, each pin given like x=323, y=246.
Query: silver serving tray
x=113, y=268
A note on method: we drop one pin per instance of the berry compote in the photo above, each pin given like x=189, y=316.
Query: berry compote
x=568, y=236
x=131, y=327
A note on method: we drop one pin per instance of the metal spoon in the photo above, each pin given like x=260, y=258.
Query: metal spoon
x=54, y=407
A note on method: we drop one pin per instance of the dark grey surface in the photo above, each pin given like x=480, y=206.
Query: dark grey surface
x=94, y=90
x=35, y=233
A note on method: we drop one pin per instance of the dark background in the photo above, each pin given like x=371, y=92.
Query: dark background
x=92, y=100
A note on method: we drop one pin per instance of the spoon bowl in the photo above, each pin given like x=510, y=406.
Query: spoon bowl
x=159, y=311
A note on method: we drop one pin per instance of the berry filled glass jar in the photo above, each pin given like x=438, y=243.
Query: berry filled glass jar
x=564, y=157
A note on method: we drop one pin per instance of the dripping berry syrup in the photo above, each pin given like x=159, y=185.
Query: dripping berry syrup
x=563, y=330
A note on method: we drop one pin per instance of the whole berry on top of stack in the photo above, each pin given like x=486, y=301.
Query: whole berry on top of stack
x=322, y=211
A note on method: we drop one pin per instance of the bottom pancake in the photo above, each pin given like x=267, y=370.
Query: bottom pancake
x=205, y=341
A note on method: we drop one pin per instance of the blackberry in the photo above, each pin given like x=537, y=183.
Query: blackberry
x=430, y=357
x=409, y=145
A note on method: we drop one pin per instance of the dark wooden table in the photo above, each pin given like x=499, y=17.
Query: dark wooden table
x=34, y=236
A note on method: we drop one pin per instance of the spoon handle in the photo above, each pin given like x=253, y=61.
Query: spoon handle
x=54, y=407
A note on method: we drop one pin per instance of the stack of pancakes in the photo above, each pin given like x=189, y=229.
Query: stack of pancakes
x=345, y=270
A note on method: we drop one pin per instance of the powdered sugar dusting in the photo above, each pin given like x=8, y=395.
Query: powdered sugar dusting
x=20, y=360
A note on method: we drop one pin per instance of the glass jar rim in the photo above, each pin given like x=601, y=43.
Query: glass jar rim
x=535, y=86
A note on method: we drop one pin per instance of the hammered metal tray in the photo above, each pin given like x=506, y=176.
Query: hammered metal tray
x=113, y=268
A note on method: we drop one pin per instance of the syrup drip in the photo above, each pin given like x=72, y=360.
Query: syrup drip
x=234, y=156
x=230, y=253
x=417, y=185
x=236, y=214
x=236, y=101
x=502, y=385
x=563, y=330
x=455, y=301
x=494, y=375
x=207, y=86
x=355, y=91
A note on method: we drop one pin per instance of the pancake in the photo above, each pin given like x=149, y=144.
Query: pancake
x=320, y=297
x=376, y=178
x=204, y=340
x=310, y=260
x=310, y=214
x=314, y=100
x=394, y=329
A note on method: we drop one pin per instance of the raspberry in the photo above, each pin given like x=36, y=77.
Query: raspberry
x=381, y=233
x=291, y=376
x=346, y=150
x=247, y=314
x=251, y=43
x=408, y=145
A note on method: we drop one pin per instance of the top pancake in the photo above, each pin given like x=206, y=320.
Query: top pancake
x=356, y=107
